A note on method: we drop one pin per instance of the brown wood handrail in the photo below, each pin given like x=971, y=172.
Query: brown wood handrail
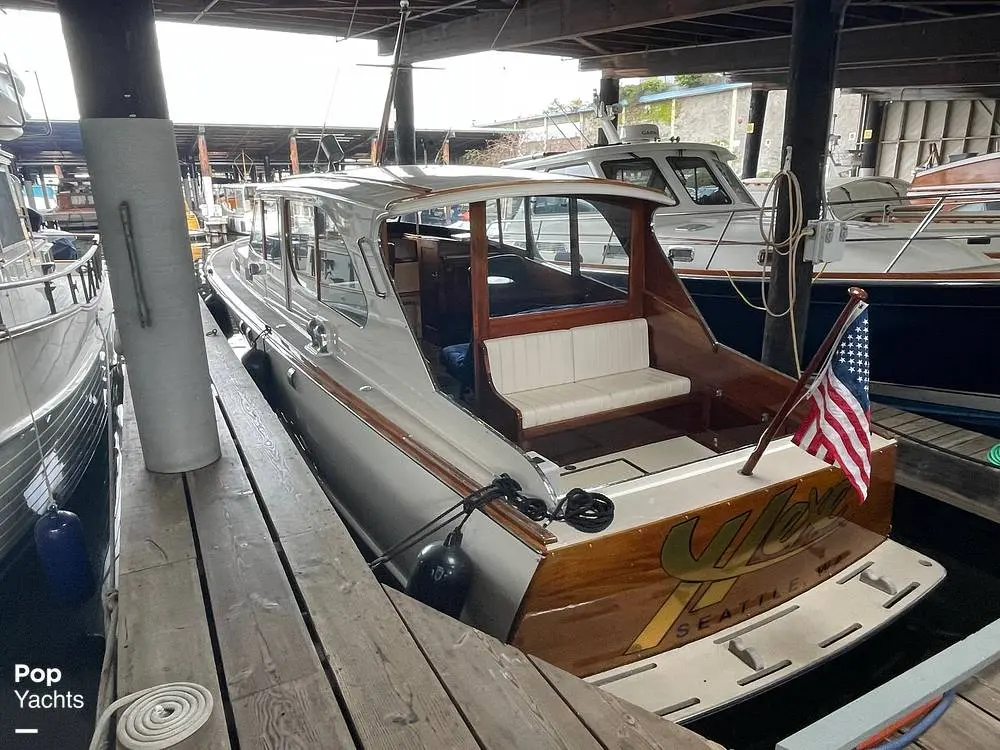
x=857, y=296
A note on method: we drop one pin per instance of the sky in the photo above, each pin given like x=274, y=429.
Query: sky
x=215, y=74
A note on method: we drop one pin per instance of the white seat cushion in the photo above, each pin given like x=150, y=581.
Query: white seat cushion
x=608, y=348
x=559, y=402
x=639, y=386
x=530, y=361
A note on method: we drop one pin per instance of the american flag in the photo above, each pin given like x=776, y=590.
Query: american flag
x=838, y=426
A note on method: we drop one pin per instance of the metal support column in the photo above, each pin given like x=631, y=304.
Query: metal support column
x=115, y=61
x=812, y=67
x=608, y=94
x=208, y=194
x=404, y=132
x=45, y=190
x=293, y=153
x=29, y=188
x=871, y=135
x=267, y=168
x=754, y=132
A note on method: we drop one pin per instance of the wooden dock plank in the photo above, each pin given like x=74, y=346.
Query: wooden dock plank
x=294, y=500
x=977, y=448
x=962, y=727
x=899, y=421
x=163, y=636
x=501, y=693
x=956, y=439
x=618, y=724
x=983, y=690
x=301, y=714
x=163, y=630
x=936, y=431
x=394, y=698
x=154, y=513
x=883, y=410
x=263, y=639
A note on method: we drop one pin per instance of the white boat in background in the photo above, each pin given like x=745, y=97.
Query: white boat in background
x=421, y=363
x=12, y=114
x=55, y=329
x=236, y=201
x=934, y=278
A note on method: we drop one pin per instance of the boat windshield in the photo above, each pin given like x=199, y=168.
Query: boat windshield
x=642, y=172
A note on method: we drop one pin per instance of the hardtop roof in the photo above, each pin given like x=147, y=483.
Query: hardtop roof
x=380, y=188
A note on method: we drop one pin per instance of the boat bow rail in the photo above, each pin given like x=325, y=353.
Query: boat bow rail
x=64, y=286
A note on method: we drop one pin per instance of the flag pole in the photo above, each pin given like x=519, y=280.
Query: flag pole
x=857, y=296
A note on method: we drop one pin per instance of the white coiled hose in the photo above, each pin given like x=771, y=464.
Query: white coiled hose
x=158, y=717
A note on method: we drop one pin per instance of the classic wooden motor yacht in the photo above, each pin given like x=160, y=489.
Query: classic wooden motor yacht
x=419, y=363
x=55, y=320
x=931, y=280
x=976, y=175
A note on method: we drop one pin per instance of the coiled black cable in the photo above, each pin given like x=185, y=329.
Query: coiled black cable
x=585, y=511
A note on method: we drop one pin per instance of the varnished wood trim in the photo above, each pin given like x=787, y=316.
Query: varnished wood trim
x=530, y=533
x=556, y=320
x=479, y=290
x=641, y=216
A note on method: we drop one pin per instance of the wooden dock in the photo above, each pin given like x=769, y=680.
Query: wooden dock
x=972, y=722
x=242, y=578
x=942, y=461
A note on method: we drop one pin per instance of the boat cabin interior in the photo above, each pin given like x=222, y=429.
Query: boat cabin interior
x=602, y=373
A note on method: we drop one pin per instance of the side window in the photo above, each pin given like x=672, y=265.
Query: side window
x=302, y=234
x=736, y=187
x=640, y=172
x=542, y=205
x=699, y=180
x=257, y=231
x=339, y=288
x=272, y=231
x=577, y=170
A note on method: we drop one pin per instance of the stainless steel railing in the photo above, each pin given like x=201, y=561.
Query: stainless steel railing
x=64, y=284
x=936, y=210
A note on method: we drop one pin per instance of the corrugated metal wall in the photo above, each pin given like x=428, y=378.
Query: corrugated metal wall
x=922, y=133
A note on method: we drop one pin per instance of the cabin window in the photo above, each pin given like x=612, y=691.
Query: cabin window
x=265, y=232
x=699, y=181
x=736, y=187
x=556, y=251
x=302, y=236
x=576, y=170
x=639, y=172
x=339, y=288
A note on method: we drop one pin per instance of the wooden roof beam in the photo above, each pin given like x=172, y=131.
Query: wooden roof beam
x=922, y=40
x=546, y=21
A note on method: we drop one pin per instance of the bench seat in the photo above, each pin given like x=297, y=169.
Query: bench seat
x=557, y=376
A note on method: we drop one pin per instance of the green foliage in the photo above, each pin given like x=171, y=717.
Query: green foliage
x=692, y=80
x=630, y=93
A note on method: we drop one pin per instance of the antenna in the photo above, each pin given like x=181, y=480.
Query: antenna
x=383, y=128
x=605, y=114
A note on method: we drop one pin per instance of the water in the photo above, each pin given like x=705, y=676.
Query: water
x=38, y=631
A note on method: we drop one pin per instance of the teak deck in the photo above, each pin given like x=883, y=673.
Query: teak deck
x=242, y=577
x=942, y=461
